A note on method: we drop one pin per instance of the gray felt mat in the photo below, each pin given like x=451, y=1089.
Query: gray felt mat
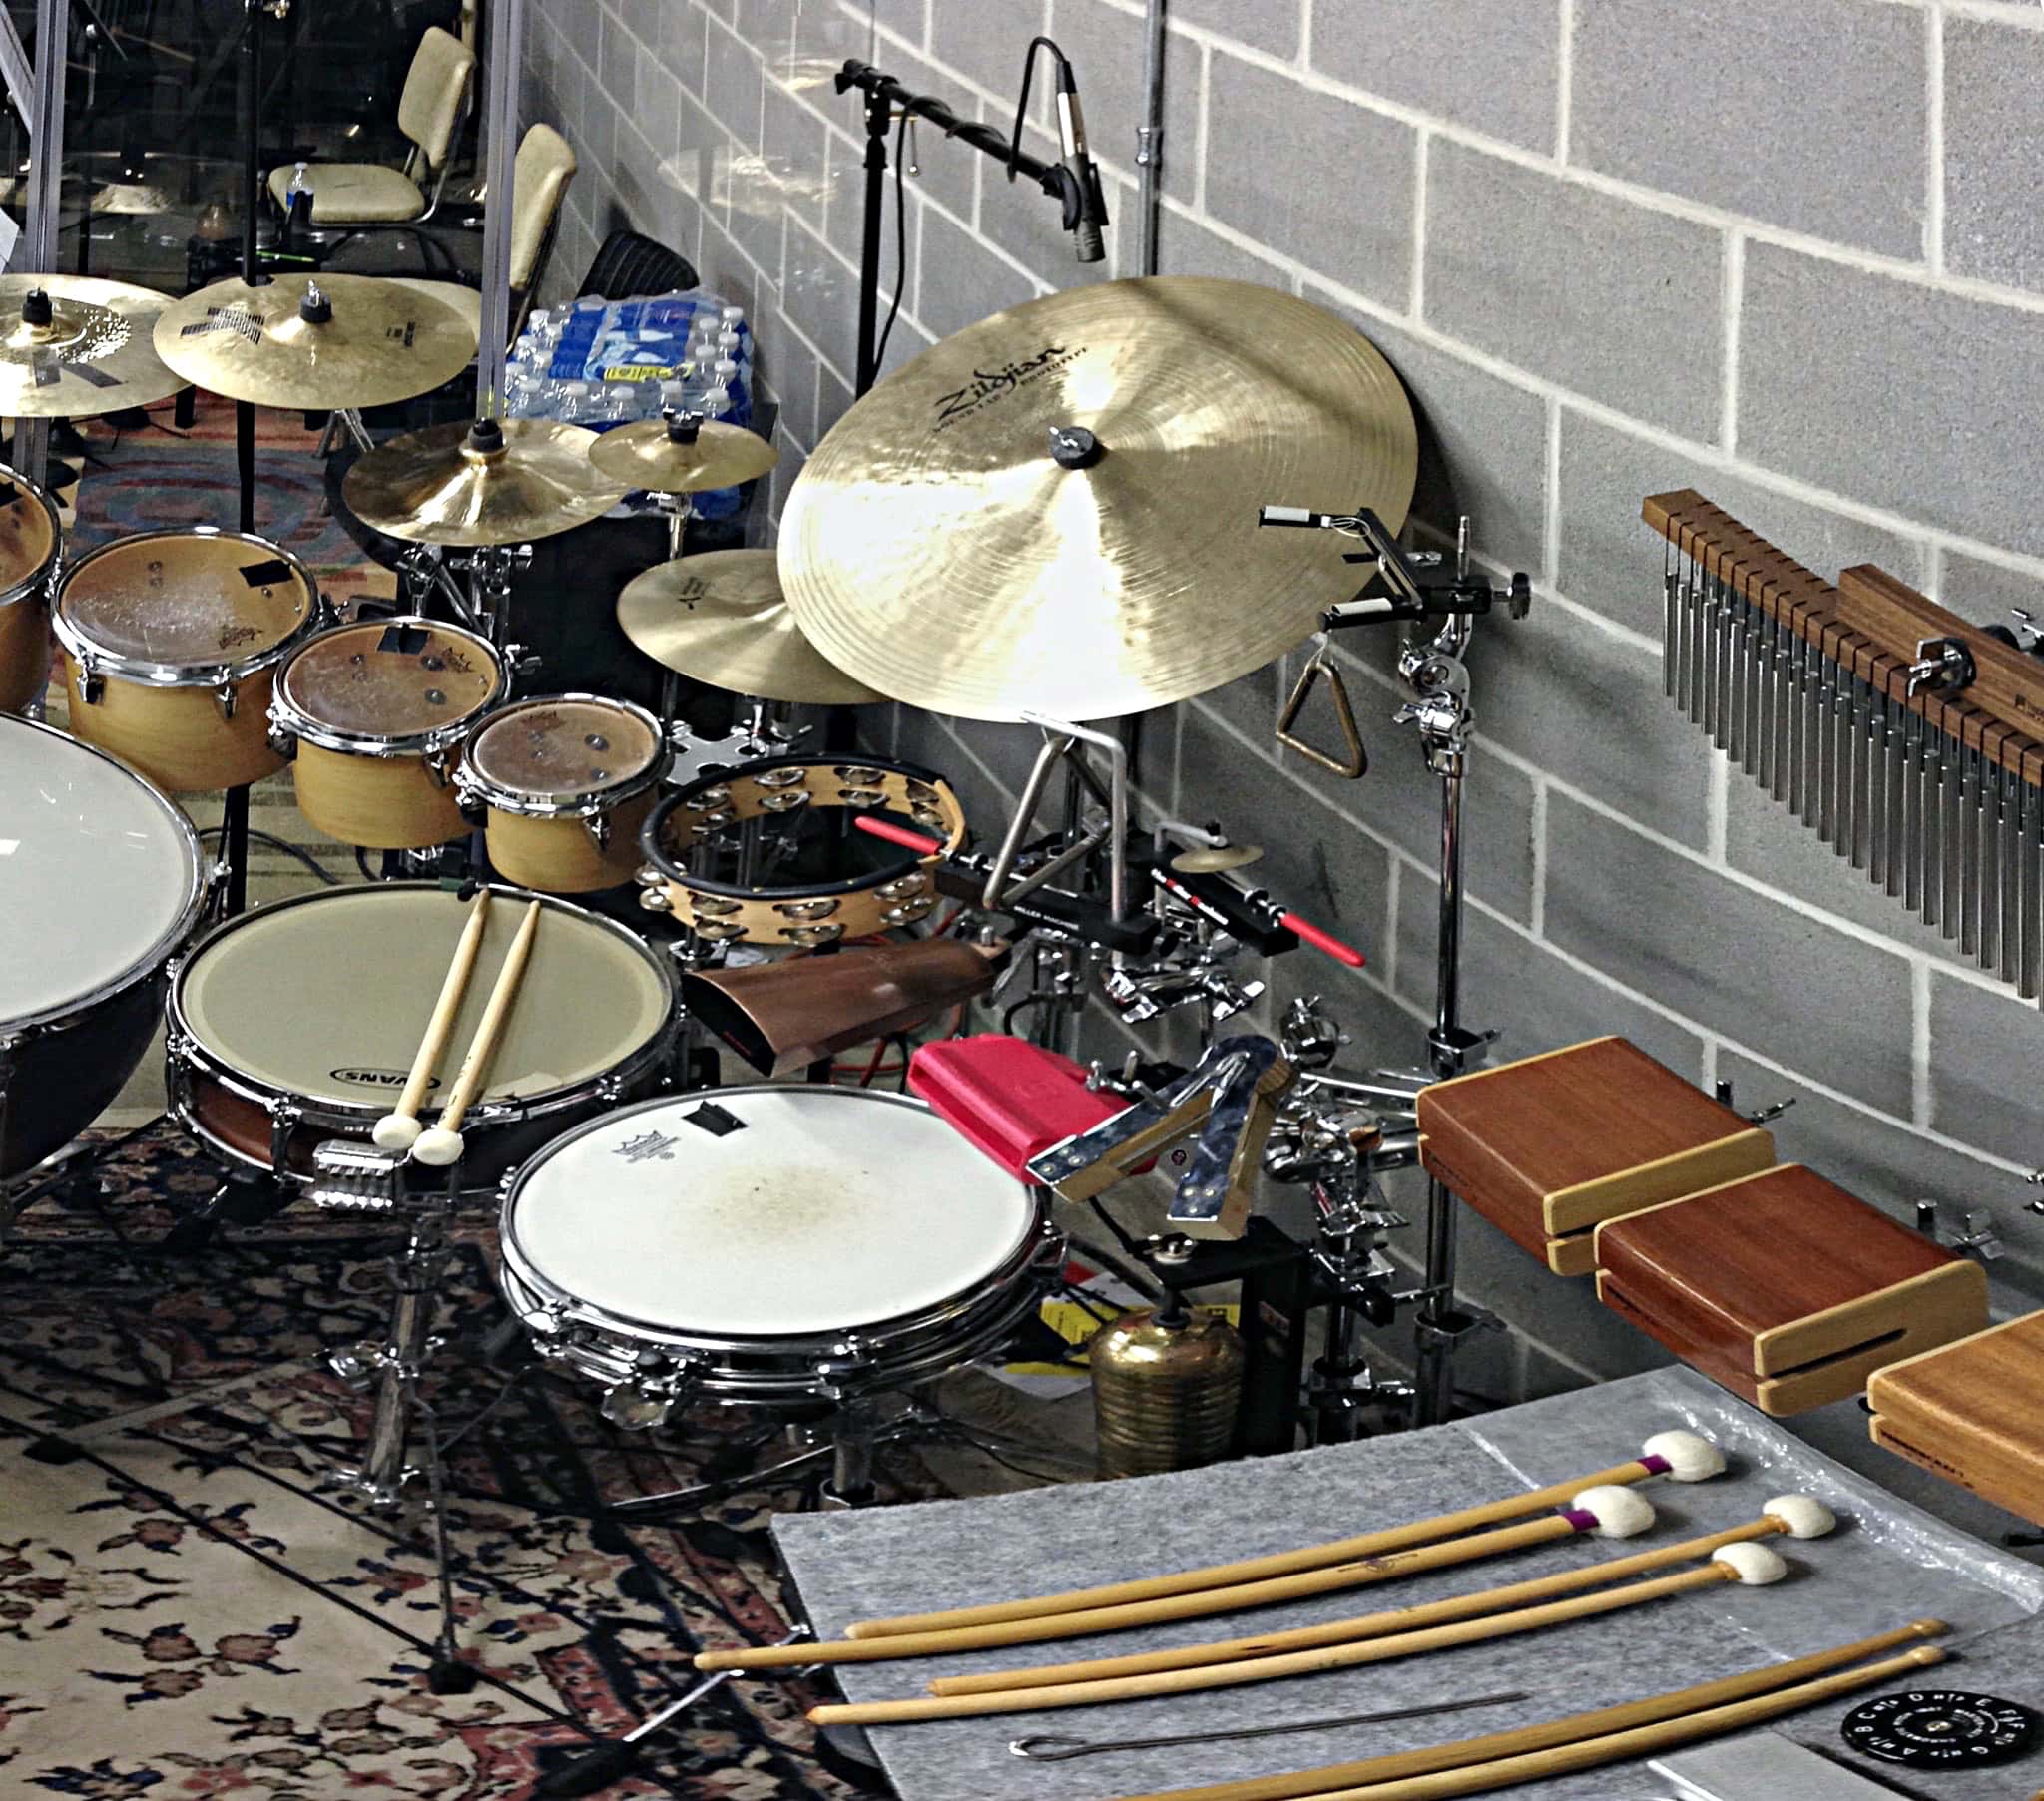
x=1888, y=1564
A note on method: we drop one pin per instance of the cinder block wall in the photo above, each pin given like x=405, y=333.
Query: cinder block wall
x=1787, y=251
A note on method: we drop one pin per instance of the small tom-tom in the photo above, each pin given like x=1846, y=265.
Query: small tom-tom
x=780, y=1244
x=377, y=712
x=263, y=1082
x=565, y=784
x=172, y=641
x=30, y=538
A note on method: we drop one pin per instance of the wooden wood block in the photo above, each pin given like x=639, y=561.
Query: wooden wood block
x=1972, y=1412
x=1785, y=1288
x=1548, y=1146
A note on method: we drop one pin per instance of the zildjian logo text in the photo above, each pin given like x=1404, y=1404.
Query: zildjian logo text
x=990, y=385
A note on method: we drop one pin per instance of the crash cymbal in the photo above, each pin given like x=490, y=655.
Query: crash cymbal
x=936, y=548
x=462, y=485
x=314, y=342
x=73, y=347
x=721, y=618
x=1211, y=859
x=683, y=457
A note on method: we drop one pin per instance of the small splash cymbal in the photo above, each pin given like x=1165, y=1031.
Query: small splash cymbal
x=666, y=457
x=73, y=347
x=1211, y=859
x=463, y=485
x=721, y=618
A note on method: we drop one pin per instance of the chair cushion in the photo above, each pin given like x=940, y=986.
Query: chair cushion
x=353, y=194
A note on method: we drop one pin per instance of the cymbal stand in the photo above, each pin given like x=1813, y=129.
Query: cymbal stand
x=475, y=587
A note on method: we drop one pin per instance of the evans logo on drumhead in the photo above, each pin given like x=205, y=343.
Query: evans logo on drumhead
x=988, y=385
x=379, y=1078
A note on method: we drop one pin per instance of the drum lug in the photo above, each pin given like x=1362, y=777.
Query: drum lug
x=469, y=801
x=611, y=1090
x=225, y=695
x=284, y=1118
x=92, y=685
x=599, y=830
x=282, y=741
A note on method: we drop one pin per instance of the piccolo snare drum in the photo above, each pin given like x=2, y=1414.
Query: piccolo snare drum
x=780, y=889
x=777, y=1245
x=564, y=786
x=100, y=883
x=30, y=541
x=172, y=641
x=298, y=1022
x=374, y=714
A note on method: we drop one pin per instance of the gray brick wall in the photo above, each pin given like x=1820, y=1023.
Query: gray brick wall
x=1784, y=250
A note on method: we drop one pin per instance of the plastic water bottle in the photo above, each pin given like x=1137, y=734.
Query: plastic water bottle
x=298, y=197
x=568, y=401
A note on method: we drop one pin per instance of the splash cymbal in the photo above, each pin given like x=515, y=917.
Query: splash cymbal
x=1211, y=859
x=73, y=347
x=721, y=618
x=458, y=485
x=1055, y=510
x=649, y=455
x=314, y=342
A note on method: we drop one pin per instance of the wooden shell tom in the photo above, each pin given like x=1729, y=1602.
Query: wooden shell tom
x=811, y=913
x=377, y=710
x=172, y=643
x=30, y=538
x=564, y=784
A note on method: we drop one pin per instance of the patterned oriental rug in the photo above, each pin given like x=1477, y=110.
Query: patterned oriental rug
x=186, y=1612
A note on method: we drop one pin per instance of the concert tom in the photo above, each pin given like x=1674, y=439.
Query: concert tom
x=30, y=542
x=377, y=712
x=172, y=643
x=710, y=844
x=564, y=784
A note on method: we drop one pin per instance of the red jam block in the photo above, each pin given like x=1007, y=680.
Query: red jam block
x=1009, y=1097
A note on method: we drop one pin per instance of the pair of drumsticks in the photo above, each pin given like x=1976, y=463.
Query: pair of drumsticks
x=441, y=1144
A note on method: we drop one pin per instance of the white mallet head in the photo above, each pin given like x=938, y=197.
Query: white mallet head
x=1755, y=1564
x=1800, y=1516
x=1620, y=1512
x=395, y=1132
x=1689, y=1456
x=437, y=1148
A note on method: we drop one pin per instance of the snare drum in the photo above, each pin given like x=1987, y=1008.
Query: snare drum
x=100, y=883
x=171, y=643
x=376, y=711
x=888, y=890
x=565, y=784
x=780, y=1244
x=298, y=1022
x=30, y=538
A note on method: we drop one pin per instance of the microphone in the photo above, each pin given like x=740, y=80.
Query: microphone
x=1084, y=207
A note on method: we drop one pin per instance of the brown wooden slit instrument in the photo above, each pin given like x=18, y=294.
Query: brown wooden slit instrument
x=400, y=1128
x=1679, y=1456
x=1571, y=1729
x=442, y=1145
x=1972, y=1412
x=1798, y=1517
x=1753, y=1565
x=1547, y=1147
x=1609, y=1511
x=1785, y=1288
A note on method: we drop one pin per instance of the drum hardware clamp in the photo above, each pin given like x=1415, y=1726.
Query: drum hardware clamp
x=1976, y=1235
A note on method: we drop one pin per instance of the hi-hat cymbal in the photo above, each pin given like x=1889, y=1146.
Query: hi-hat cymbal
x=314, y=342
x=721, y=618
x=73, y=347
x=458, y=485
x=935, y=547
x=1211, y=859
x=651, y=456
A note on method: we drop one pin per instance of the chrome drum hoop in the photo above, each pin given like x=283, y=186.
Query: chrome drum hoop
x=477, y=790
x=286, y=720
x=42, y=582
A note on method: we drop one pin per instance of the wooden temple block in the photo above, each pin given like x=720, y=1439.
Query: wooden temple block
x=1972, y=1412
x=1546, y=1147
x=1785, y=1288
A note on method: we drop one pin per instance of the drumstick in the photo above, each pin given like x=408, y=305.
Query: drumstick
x=1448, y=1770
x=1679, y=1456
x=1797, y=1515
x=1570, y=1729
x=400, y=1128
x=1610, y=1512
x=442, y=1145
x=1754, y=1565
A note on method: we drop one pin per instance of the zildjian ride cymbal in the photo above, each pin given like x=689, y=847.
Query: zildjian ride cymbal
x=1055, y=510
x=73, y=347
x=721, y=618
x=458, y=484
x=311, y=343
x=683, y=457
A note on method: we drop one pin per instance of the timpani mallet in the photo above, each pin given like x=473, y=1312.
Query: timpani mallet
x=441, y=1147
x=1679, y=1456
x=399, y=1130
